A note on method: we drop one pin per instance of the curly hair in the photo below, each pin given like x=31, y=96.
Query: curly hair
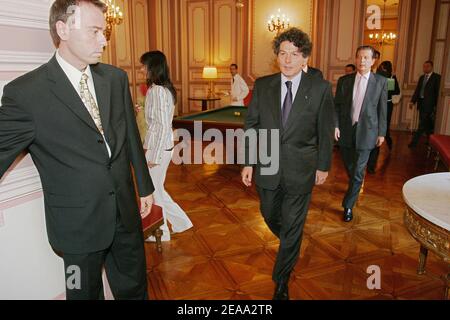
x=299, y=38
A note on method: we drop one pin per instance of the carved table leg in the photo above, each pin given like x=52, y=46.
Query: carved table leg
x=422, y=260
x=447, y=285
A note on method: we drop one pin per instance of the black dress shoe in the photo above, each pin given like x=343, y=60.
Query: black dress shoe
x=348, y=214
x=371, y=170
x=281, y=292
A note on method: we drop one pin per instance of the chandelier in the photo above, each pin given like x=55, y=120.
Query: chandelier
x=278, y=22
x=113, y=15
x=382, y=37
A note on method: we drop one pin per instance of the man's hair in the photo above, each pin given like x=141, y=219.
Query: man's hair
x=234, y=65
x=429, y=61
x=299, y=38
x=60, y=11
x=351, y=65
x=370, y=48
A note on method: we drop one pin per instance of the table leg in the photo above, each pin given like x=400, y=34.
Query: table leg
x=447, y=285
x=204, y=105
x=422, y=260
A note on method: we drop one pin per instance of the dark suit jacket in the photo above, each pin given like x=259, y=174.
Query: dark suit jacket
x=372, y=119
x=83, y=188
x=315, y=72
x=431, y=93
x=307, y=140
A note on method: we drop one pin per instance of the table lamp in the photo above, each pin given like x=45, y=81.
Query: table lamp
x=209, y=72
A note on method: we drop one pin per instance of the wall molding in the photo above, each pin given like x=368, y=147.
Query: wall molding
x=19, y=183
x=25, y=13
x=22, y=61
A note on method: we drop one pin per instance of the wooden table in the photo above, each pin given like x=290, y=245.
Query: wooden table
x=427, y=216
x=204, y=101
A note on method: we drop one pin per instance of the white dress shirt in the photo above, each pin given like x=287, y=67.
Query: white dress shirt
x=295, y=84
x=159, y=109
x=239, y=90
x=74, y=76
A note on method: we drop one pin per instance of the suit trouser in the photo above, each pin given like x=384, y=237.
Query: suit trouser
x=426, y=124
x=171, y=210
x=285, y=215
x=355, y=162
x=124, y=263
x=373, y=158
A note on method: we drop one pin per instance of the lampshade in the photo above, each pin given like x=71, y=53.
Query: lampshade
x=209, y=73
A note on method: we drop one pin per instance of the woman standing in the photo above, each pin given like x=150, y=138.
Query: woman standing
x=158, y=143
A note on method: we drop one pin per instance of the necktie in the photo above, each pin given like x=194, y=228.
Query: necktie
x=89, y=102
x=422, y=89
x=358, y=100
x=287, y=104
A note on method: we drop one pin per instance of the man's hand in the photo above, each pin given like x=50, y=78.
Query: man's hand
x=321, y=176
x=146, y=205
x=246, y=175
x=380, y=141
x=137, y=108
x=337, y=134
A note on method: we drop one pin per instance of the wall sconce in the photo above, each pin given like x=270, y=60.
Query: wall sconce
x=278, y=22
x=239, y=4
x=209, y=72
x=113, y=16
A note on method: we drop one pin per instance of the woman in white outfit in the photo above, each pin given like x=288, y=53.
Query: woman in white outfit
x=158, y=143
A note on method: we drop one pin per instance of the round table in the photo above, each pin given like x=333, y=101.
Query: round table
x=427, y=216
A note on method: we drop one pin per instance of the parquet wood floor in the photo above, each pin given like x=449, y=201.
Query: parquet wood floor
x=229, y=254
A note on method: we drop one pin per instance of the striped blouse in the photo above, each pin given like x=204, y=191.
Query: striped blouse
x=159, y=109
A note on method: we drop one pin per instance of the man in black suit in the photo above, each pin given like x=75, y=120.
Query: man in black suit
x=313, y=71
x=426, y=96
x=75, y=117
x=298, y=107
x=361, y=110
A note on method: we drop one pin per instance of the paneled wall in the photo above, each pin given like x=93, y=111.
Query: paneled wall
x=441, y=56
x=128, y=42
x=195, y=33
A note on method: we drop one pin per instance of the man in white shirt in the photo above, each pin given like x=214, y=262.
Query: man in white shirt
x=239, y=89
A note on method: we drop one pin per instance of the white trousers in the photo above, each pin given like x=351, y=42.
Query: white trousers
x=171, y=211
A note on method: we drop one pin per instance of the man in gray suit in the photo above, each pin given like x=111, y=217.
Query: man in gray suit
x=299, y=107
x=361, y=109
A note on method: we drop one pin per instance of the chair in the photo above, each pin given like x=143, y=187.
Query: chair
x=151, y=225
x=441, y=145
x=248, y=98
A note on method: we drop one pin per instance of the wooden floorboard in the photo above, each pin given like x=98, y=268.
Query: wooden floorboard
x=229, y=253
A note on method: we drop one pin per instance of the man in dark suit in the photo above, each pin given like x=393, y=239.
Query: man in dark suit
x=76, y=119
x=361, y=109
x=313, y=71
x=298, y=107
x=426, y=96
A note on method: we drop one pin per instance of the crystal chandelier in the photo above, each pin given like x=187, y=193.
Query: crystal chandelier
x=382, y=37
x=113, y=15
x=278, y=22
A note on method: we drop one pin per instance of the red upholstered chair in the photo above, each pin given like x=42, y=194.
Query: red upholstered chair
x=248, y=98
x=151, y=225
x=441, y=145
